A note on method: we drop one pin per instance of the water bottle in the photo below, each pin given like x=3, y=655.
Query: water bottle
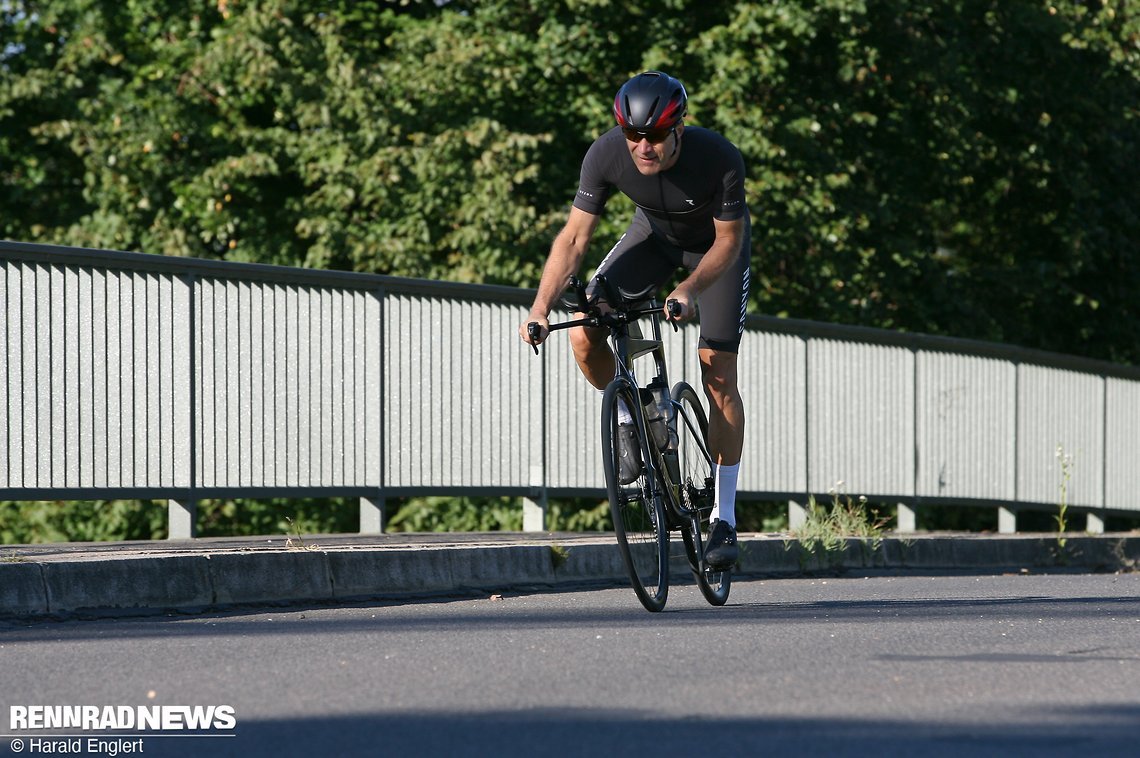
x=658, y=410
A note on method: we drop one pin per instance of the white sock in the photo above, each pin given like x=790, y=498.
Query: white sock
x=724, y=499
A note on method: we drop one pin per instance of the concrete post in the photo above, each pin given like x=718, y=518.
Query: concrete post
x=534, y=504
x=181, y=519
x=797, y=515
x=1095, y=524
x=372, y=515
x=906, y=518
x=1007, y=521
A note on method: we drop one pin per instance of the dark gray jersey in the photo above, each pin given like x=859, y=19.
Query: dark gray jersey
x=706, y=183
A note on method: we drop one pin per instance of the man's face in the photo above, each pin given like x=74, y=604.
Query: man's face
x=654, y=152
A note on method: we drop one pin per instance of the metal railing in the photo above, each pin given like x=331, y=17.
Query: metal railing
x=126, y=375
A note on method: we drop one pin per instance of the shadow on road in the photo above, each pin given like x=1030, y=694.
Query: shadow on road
x=401, y=615
x=1106, y=731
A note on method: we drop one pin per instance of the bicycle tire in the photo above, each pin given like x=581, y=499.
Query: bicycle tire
x=638, y=513
x=696, y=491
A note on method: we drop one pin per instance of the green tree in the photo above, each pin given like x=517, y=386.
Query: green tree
x=948, y=167
x=88, y=521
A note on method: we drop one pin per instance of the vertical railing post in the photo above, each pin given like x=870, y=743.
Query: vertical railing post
x=1007, y=520
x=181, y=517
x=372, y=514
x=182, y=514
x=534, y=504
x=372, y=509
x=906, y=518
x=797, y=515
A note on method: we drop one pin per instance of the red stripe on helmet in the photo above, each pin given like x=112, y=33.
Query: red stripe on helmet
x=670, y=115
x=617, y=110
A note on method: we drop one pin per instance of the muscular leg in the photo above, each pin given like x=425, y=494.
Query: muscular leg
x=637, y=260
x=722, y=323
x=726, y=409
x=595, y=359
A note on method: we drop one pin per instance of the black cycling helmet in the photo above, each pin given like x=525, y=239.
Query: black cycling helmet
x=653, y=100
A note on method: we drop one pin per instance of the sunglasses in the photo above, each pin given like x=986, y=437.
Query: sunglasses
x=655, y=136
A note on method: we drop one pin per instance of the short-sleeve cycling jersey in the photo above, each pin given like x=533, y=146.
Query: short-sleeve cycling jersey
x=673, y=224
x=706, y=183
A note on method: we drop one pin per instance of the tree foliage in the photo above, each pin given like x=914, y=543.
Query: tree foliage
x=88, y=521
x=944, y=167
x=953, y=167
x=103, y=520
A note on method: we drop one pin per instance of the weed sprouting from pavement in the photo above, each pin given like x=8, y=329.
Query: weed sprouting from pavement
x=1061, y=517
x=295, y=541
x=829, y=528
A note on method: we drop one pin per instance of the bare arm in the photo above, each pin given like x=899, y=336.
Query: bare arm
x=566, y=254
x=718, y=259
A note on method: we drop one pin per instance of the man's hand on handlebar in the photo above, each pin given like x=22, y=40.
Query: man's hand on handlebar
x=534, y=330
x=679, y=305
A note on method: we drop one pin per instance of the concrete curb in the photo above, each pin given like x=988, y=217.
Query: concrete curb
x=132, y=577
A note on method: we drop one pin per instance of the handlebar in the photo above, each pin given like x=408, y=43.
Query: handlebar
x=595, y=317
x=609, y=319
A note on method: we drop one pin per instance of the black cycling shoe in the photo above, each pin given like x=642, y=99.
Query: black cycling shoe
x=721, y=551
x=629, y=453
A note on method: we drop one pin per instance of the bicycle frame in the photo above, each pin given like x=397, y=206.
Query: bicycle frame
x=626, y=349
x=671, y=499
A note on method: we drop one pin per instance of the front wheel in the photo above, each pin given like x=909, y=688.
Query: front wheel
x=696, y=490
x=639, y=514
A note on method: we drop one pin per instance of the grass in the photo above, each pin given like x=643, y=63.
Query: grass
x=558, y=556
x=1061, y=517
x=827, y=529
x=295, y=542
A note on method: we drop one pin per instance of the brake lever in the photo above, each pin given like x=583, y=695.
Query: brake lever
x=674, y=308
x=534, y=331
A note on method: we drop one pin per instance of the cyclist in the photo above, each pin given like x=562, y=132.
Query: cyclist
x=688, y=186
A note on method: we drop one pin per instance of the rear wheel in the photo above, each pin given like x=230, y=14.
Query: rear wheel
x=696, y=490
x=639, y=515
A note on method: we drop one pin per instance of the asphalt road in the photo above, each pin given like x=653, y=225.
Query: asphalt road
x=880, y=665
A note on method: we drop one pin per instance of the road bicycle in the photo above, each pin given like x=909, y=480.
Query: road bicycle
x=671, y=488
